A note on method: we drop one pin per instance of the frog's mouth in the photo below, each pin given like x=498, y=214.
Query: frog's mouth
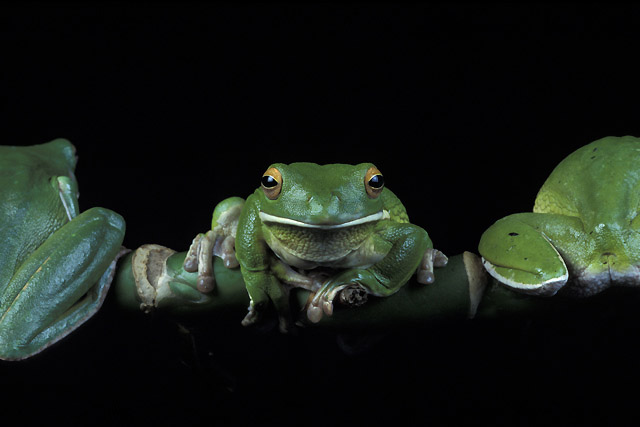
x=265, y=217
x=299, y=242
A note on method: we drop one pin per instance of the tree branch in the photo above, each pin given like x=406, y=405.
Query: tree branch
x=152, y=278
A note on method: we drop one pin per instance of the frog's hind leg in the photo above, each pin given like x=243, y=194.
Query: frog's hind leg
x=61, y=285
x=520, y=251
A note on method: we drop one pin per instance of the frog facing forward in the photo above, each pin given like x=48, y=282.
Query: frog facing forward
x=324, y=228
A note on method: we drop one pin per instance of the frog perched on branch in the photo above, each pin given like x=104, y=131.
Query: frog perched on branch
x=323, y=228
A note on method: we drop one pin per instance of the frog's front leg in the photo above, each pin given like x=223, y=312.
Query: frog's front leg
x=406, y=246
x=61, y=285
x=259, y=269
x=219, y=241
x=263, y=286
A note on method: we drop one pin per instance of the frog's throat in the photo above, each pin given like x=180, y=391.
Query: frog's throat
x=308, y=246
x=265, y=217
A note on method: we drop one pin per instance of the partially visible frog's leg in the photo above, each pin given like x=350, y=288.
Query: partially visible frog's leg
x=405, y=245
x=285, y=274
x=519, y=252
x=200, y=258
x=432, y=258
x=262, y=287
x=61, y=285
x=218, y=241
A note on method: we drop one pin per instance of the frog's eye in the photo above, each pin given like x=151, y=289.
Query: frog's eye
x=272, y=183
x=373, y=182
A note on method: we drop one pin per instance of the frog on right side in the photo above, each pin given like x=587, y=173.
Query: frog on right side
x=583, y=235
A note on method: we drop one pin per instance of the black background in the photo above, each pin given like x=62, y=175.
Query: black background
x=464, y=108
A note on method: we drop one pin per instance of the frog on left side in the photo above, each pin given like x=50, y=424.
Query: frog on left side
x=56, y=264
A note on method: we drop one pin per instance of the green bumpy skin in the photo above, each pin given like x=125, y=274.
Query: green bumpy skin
x=583, y=234
x=322, y=228
x=56, y=264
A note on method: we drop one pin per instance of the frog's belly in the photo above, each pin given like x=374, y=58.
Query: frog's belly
x=349, y=247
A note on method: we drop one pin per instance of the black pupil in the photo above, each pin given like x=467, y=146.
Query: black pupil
x=268, y=181
x=376, y=181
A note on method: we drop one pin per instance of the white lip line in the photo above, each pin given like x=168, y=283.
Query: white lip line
x=265, y=217
x=553, y=281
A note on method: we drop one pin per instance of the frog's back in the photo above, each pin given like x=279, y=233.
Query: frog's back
x=598, y=183
x=30, y=206
x=57, y=156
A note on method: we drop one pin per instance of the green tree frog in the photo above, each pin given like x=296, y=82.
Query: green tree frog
x=319, y=227
x=56, y=264
x=583, y=235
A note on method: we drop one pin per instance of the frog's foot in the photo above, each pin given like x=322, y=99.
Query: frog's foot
x=254, y=316
x=352, y=294
x=225, y=248
x=265, y=289
x=432, y=258
x=200, y=258
x=219, y=241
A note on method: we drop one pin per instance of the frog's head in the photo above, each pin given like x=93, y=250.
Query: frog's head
x=321, y=196
x=320, y=212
